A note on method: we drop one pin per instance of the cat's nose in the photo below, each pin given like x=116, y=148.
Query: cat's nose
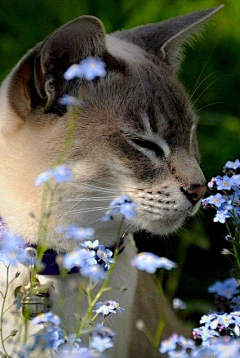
x=195, y=193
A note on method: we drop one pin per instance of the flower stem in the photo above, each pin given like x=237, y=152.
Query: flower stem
x=2, y=314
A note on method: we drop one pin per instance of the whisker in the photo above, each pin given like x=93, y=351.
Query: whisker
x=88, y=186
x=211, y=104
x=82, y=211
x=207, y=88
x=199, y=77
x=201, y=84
x=82, y=199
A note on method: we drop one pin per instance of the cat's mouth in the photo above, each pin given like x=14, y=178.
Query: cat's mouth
x=162, y=212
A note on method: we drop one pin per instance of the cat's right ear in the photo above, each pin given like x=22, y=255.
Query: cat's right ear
x=38, y=79
x=165, y=39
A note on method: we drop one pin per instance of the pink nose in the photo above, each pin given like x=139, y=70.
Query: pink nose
x=195, y=194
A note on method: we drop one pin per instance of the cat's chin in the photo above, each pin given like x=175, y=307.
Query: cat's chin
x=163, y=228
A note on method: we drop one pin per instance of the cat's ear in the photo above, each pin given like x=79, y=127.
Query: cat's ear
x=82, y=37
x=38, y=79
x=165, y=39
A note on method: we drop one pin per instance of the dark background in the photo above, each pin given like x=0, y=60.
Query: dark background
x=213, y=64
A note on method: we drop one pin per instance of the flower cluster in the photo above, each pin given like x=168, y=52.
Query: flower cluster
x=227, y=201
x=60, y=174
x=74, y=232
x=217, y=347
x=89, y=69
x=227, y=295
x=122, y=205
x=53, y=337
x=12, y=250
x=93, y=259
x=147, y=261
x=177, y=346
x=227, y=288
x=215, y=325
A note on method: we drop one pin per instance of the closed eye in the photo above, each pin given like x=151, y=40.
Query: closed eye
x=149, y=145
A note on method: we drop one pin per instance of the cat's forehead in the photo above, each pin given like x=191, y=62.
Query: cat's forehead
x=145, y=99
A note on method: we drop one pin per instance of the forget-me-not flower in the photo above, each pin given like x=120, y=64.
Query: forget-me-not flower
x=123, y=205
x=75, y=232
x=101, y=344
x=94, y=272
x=61, y=174
x=149, y=262
x=79, y=258
x=89, y=69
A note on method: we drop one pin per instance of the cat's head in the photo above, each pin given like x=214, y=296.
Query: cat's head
x=136, y=133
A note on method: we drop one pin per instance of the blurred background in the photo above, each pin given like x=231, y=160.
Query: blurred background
x=210, y=73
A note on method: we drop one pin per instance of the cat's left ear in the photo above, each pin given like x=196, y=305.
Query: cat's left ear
x=165, y=39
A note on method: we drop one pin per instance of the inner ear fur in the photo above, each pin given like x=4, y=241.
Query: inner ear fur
x=165, y=39
x=38, y=79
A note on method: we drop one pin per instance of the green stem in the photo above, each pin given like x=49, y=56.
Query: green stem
x=69, y=137
x=2, y=313
x=158, y=335
x=148, y=335
x=235, y=245
x=236, y=252
x=161, y=323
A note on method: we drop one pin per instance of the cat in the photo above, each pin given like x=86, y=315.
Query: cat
x=136, y=135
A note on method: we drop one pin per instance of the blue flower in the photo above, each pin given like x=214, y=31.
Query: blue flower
x=11, y=247
x=68, y=100
x=128, y=210
x=169, y=344
x=226, y=206
x=51, y=337
x=91, y=245
x=61, y=174
x=94, y=272
x=43, y=177
x=207, y=319
x=178, y=304
x=75, y=232
x=100, y=330
x=48, y=317
x=83, y=352
x=101, y=344
x=147, y=261
x=235, y=180
x=105, y=255
x=123, y=205
x=88, y=69
x=107, y=307
x=228, y=288
x=177, y=346
x=232, y=165
x=205, y=352
x=207, y=332
x=216, y=200
x=224, y=183
x=71, y=345
x=79, y=258
x=221, y=216
x=72, y=72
